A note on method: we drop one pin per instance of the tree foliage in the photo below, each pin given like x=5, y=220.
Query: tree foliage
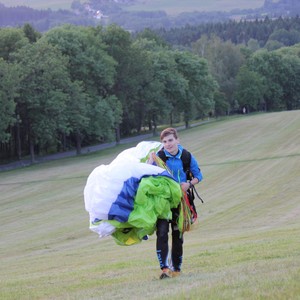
x=42, y=97
x=250, y=89
x=75, y=86
x=92, y=72
x=8, y=92
x=224, y=61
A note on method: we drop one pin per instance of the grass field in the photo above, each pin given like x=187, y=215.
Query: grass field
x=170, y=6
x=39, y=4
x=175, y=7
x=246, y=244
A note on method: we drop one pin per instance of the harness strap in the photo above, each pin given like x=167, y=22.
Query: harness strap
x=194, y=190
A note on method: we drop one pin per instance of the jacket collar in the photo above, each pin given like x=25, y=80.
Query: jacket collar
x=178, y=155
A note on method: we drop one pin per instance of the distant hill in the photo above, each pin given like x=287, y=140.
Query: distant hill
x=175, y=7
x=169, y=6
x=41, y=20
x=154, y=13
x=39, y=4
x=135, y=15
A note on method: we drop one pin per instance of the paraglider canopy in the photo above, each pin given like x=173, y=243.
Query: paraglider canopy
x=140, y=194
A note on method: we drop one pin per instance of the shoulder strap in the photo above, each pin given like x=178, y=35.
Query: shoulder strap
x=185, y=157
x=186, y=160
x=162, y=155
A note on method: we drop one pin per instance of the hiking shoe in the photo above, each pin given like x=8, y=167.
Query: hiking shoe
x=165, y=274
x=175, y=273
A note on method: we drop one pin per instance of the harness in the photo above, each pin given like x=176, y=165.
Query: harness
x=186, y=162
x=186, y=158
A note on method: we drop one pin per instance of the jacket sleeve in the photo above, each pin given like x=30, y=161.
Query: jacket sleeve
x=195, y=169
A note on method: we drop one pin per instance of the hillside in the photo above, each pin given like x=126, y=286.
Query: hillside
x=245, y=245
x=39, y=4
x=166, y=5
x=176, y=7
x=136, y=15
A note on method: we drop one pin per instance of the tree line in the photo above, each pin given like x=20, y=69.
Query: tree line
x=284, y=31
x=155, y=19
x=41, y=20
x=75, y=86
x=115, y=12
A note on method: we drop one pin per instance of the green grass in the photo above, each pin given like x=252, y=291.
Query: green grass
x=170, y=6
x=175, y=7
x=246, y=244
x=39, y=4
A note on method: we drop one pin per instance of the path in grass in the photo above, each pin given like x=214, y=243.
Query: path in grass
x=244, y=246
x=86, y=150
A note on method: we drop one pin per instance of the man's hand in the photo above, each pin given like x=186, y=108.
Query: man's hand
x=151, y=159
x=185, y=186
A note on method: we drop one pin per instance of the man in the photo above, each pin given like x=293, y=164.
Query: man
x=172, y=155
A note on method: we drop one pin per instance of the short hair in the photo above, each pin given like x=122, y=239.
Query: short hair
x=167, y=132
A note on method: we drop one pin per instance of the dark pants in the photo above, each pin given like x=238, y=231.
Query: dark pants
x=162, y=246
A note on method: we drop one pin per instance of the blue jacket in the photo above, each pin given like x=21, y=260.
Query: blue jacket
x=175, y=165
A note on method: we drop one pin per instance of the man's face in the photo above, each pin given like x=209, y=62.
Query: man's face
x=170, y=144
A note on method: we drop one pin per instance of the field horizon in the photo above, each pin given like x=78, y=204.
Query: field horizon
x=171, y=7
x=245, y=244
x=176, y=7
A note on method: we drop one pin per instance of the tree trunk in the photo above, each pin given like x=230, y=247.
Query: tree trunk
x=186, y=124
x=118, y=137
x=31, y=149
x=64, y=141
x=18, y=137
x=171, y=119
x=78, y=143
x=150, y=125
x=154, y=126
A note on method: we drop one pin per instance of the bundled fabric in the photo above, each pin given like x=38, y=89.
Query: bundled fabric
x=125, y=198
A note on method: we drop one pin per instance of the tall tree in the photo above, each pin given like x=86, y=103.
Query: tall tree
x=42, y=97
x=290, y=82
x=11, y=40
x=8, y=92
x=224, y=61
x=152, y=89
x=200, y=85
x=250, y=89
x=285, y=37
x=31, y=33
x=128, y=72
x=270, y=67
x=93, y=69
x=175, y=86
